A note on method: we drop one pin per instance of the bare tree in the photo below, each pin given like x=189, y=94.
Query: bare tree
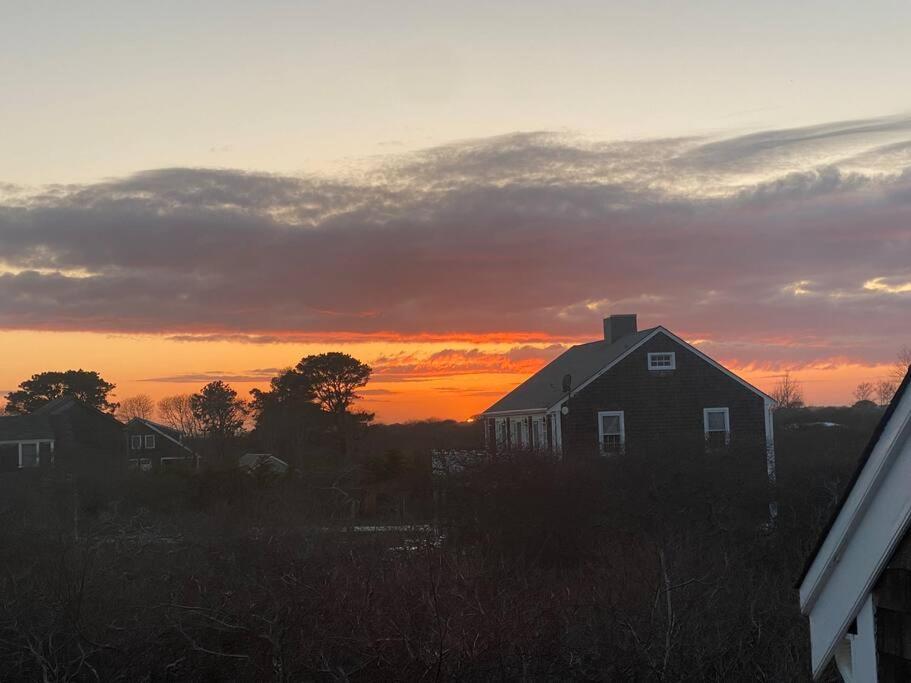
x=864, y=391
x=788, y=393
x=885, y=390
x=901, y=364
x=177, y=412
x=140, y=405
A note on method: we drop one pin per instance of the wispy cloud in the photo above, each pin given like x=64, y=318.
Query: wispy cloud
x=521, y=238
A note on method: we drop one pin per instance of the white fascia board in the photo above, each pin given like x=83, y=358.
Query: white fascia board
x=717, y=365
x=166, y=435
x=685, y=345
x=606, y=368
x=866, y=531
x=523, y=411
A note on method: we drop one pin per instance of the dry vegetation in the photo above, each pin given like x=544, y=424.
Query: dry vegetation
x=655, y=568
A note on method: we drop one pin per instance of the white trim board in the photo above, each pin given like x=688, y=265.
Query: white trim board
x=674, y=337
x=871, y=522
x=521, y=411
x=164, y=434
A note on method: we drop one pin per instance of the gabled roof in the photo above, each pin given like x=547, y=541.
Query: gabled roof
x=871, y=518
x=167, y=432
x=37, y=424
x=157, y=426
x=252, y=461
x=63, y=403
x=584, y=363
x=25, y=428
x=864, y=457
x=545, y=388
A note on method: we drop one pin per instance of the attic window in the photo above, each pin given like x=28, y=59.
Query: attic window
x=135, y=442
x=666, y=360
x=150, y=441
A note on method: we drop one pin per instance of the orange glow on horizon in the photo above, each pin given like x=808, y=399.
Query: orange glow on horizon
x=413, y=379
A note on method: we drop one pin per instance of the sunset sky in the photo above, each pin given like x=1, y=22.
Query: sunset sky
x=451, y=192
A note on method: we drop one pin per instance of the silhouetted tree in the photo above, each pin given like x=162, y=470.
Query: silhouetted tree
x=86, y=385
x=864, y=391
x=140, y=406
x=334, y=378
x=901, y=364
x=885, y=390
x=177, y=412
x=220, y=413
x=287, y=418
x=788, y=393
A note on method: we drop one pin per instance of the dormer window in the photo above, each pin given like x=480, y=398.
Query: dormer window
x=665, y=360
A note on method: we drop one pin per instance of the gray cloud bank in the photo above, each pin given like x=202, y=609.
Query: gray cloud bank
x=779, y=242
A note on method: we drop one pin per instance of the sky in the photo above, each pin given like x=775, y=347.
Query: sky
x=451, y=192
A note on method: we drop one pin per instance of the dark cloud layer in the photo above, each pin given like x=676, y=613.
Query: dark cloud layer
x=795, y=239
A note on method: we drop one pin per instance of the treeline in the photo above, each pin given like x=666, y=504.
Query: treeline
x=307, y=410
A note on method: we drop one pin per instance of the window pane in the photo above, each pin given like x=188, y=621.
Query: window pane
x=30, y=455
x=611, y=424
x=716, y=421
x=611, y=444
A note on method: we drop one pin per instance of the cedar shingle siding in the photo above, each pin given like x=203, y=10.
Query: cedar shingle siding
x=175, y=454
x=893, y=616
x=663, y=409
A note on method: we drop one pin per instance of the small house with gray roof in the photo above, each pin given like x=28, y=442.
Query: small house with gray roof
x=65, y=431
x=154, y=446
x=632, y=391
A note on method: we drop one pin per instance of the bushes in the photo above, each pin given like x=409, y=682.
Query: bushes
x=651, y=568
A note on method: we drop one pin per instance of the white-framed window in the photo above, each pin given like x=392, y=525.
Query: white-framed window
x=664, y=360
x=519, y=432
x=502, y=436
x=539, y=433
x=135, y=442
x=611, y=432
x=145, y=465
x=22, y=454
x=28, y=454
x=716, y=423
x=150, y=441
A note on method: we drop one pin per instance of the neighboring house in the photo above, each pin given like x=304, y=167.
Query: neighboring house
x=66, y=432
x=856, y=586
x=154, y=446
x=633, y=391
x=255, y=461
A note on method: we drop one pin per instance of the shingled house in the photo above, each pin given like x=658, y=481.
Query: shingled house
x=66, y=432
x=154, y=446
x=856, y=585
x=632, y=391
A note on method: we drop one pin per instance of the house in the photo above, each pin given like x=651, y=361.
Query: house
x=632, y=391
x=856, y=585
x=154, y=446
x=256, y=461
x=65, y=431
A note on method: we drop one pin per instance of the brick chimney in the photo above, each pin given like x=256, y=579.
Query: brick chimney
x=618, y=326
